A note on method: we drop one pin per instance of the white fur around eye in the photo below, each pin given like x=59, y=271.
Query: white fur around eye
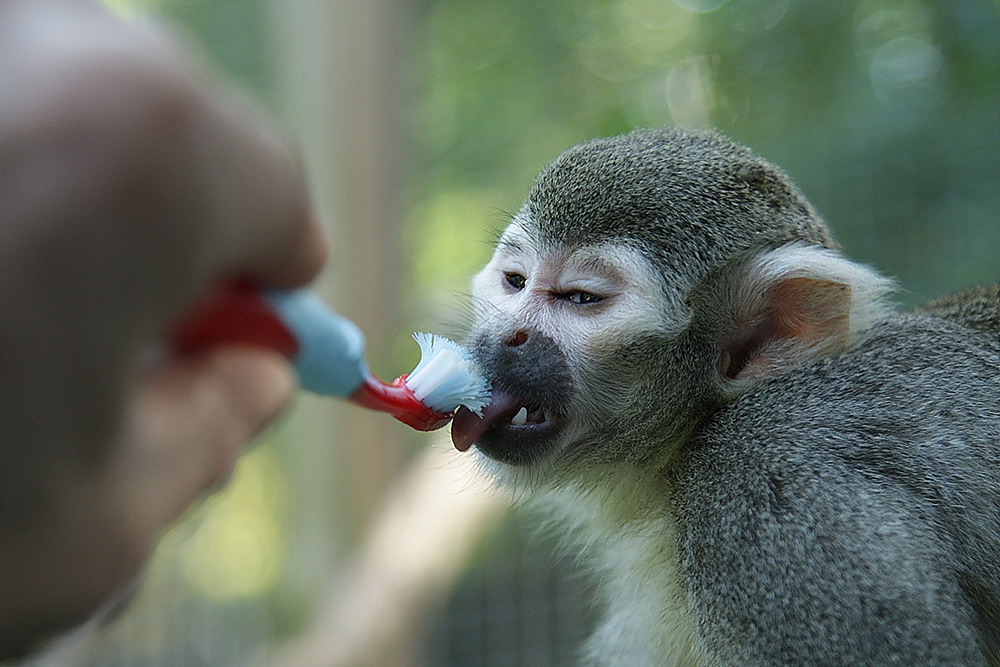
x=638, y=303
x=631, y=299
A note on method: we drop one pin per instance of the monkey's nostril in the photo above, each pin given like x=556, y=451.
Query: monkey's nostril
x=520, y=338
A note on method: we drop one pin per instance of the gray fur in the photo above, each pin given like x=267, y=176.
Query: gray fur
x=803, y=498
x=676, y=195
x=977, y=307
x=849, y=512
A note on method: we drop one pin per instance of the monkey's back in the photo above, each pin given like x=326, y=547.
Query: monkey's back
x=977, y=307
x=882, y=545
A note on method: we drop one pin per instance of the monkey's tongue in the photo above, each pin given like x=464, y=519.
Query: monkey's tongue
x=467, y=427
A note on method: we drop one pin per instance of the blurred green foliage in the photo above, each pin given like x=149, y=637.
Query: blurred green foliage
x=886, y=112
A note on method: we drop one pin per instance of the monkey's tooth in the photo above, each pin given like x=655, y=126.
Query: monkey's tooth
x=521, y=418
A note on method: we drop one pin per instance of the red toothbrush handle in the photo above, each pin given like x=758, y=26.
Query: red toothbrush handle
x=238, y=313
x=398, y=400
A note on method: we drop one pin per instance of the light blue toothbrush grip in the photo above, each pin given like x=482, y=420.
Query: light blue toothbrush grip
x=331, y=357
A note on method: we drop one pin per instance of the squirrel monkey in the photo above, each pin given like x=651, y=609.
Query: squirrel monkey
x=761, y=460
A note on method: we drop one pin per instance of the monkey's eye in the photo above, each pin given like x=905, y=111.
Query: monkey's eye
x=582, y=298
x=514, y=280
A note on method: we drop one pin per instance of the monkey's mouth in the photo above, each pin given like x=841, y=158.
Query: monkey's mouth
x=512, y=430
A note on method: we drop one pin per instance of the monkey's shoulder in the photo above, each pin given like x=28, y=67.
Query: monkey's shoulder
x=977, y=307
x=919, y=390
x=852, y=490
x=910, y=374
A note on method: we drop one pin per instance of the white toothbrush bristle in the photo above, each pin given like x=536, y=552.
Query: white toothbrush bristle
x=441, y=367
x=447, y=376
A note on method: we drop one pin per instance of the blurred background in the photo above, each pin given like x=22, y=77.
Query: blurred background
x=344, y=538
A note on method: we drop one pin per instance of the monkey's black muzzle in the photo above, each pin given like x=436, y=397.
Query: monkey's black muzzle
x=531, y=381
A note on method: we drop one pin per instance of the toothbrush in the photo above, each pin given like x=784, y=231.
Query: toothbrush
x=328, y=353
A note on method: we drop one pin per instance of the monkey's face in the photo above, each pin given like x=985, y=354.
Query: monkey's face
x=584, y=349
x=633, y=294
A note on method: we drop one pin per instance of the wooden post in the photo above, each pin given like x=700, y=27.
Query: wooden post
x=339, y=69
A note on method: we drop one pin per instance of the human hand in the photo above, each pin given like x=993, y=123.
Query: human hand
x=127, y=190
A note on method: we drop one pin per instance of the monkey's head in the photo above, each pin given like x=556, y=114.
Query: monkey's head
x=648, y=279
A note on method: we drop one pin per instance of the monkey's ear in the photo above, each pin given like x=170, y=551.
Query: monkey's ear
x=797, y=303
